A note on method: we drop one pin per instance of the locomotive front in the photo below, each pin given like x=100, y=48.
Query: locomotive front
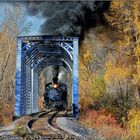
x=55, y=96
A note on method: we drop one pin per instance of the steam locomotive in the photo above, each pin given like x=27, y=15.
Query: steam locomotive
x=55, y=96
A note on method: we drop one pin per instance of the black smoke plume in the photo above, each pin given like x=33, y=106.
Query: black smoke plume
x=68, y=17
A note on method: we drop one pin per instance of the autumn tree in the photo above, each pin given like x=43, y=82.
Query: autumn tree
x=124, y=17
x=12, y=24
x=91, y=83
x=119, y=97
x=122, y=70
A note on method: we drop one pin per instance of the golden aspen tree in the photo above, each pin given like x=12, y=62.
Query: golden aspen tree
x=124, y=17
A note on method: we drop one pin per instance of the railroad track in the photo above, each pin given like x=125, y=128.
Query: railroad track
x=51, y=115
x=63, y=134
x=46, y=125
x=36, y=116
x=5, y=132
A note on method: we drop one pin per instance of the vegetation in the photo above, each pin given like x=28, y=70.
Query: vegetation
x=134, y=123
x=105, y=124
x=21, y=131
x=117, y=65
x=12, y=24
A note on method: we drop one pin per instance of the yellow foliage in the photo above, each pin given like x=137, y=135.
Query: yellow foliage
x=87, y=57
x=87, y=52
x=115, y=73
x=137, y=51
x=124, y=16
x=136, y=76
x=134, y=123
x=91, y=85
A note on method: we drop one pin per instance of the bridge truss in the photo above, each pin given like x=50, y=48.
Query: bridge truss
x=34, y=53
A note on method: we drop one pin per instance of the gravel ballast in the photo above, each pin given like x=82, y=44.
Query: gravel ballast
x=72, y=126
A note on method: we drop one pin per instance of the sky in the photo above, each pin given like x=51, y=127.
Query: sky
x=36, y=21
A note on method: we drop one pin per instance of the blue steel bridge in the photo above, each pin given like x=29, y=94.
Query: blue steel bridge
x=34, y=53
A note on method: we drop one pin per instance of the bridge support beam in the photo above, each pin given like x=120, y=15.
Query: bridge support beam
x=75, y=80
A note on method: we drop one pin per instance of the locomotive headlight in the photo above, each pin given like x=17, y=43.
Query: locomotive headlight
x=55, y=85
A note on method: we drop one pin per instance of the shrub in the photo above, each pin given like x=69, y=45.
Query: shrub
x=91, y=92
x=104, y=123
x=102, y=117
x=24, y=133
x=20, y=131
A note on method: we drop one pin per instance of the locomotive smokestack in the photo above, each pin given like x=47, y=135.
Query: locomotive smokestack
x=55, y=71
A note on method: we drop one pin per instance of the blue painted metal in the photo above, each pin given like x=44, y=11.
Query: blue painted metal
x=18, y=78
x=33, y=54
x=75, y=79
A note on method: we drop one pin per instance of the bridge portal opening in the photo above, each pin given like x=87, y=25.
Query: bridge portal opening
x=46, y=76
x=36, y=54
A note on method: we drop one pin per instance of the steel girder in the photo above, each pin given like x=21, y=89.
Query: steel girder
x=33, y=54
